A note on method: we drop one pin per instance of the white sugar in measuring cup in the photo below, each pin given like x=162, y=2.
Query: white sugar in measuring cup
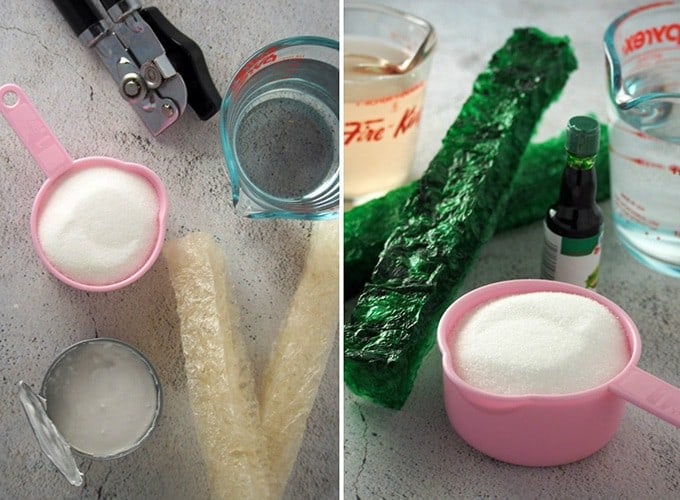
x=58, y=166
x=541, y=430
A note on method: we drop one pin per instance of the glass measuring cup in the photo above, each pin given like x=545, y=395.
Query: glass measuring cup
x=59, y=168
x=386, y=60
x=642, y=49
x=547, y=429
x=279, y=129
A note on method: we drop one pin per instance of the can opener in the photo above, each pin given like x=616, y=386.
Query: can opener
x=157, y=68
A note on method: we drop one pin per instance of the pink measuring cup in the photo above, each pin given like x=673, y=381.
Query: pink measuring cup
x=546, y=430
x=54, y=161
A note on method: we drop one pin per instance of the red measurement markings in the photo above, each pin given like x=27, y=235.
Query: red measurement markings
x=267, y=57
x=632, y=211
x=293, y=64
x=646, y=163
x=631, y=202
x=375, y=130
x=389, y=98
x=663, y=55
x=672, y=169
x=637, y=133
x=640, y=162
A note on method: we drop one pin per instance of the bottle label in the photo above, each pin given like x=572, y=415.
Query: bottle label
x=571, y=260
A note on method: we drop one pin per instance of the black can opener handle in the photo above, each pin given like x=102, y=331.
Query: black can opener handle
x=79, y=14
x=187, y=57
x=134, y=58
x=157, y=68
x=184, y=54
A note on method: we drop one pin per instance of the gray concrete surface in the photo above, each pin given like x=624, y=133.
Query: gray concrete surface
x=414, y=453
x=39, y=316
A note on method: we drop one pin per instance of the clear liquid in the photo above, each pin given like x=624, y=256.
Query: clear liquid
x=377, y=156
x=284, y=144
x=645, y=175
x=287, y=131
x=659, y=118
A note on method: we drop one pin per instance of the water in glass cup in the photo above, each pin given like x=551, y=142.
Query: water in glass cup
x=644, y=133
x=285, y=137
x=279, y=128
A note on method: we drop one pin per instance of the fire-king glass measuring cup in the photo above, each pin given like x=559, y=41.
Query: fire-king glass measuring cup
x=279, y=128
x=546, y=429
x=386, y=61
x=110, y=257
x=642, y=49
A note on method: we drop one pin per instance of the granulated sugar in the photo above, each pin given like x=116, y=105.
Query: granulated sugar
x=540, y=343
x=99, y=225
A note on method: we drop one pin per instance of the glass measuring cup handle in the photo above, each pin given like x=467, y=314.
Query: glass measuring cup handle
x=649, y=393
x=34, y=133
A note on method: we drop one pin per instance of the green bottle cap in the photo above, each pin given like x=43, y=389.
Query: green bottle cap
x=583, y=136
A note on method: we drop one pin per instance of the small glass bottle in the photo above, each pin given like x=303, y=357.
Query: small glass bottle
x=573, y=225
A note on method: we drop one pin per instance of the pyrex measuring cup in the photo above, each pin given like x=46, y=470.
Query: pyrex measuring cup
x=279, y=128
x=547, y=429
x=60, y=168
x=642, y=49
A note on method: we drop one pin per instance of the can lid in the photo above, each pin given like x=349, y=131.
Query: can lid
x=583, y=136
x=50, y=440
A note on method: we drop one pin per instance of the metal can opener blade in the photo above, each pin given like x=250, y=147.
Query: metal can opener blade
x=132, y=52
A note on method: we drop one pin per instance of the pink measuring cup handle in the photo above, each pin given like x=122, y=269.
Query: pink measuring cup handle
x=34, y=133
x=649, y=393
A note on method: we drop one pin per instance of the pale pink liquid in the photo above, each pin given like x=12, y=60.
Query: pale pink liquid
x=382, y=118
